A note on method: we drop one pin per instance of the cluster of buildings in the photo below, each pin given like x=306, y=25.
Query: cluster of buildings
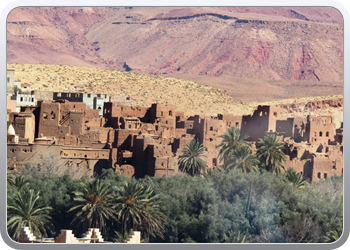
x=89, y=132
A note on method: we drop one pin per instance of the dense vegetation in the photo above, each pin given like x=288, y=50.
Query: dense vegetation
x=250, y=199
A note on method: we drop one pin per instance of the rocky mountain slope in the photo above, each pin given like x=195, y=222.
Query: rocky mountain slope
x=267, y=43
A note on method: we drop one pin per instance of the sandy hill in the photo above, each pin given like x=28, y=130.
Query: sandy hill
x=189, y=97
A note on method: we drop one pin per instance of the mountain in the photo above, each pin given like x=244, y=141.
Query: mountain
x=268, y=44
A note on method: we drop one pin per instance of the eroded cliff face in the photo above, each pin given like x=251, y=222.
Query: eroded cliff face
x=318, y=106
x=259, y=43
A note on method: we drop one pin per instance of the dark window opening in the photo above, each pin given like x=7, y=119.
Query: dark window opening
x=211, y=128
x=320, y=134
x=319, y=175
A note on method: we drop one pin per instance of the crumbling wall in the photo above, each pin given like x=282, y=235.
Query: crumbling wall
x=256, y=125
x=322, y=129
x=211, y=129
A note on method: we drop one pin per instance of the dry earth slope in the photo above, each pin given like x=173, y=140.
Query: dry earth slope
x=189, y=97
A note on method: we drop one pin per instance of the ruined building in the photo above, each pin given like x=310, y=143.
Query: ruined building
x=139, y=141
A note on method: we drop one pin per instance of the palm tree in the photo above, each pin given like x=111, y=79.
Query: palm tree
x=242, y=159
x=122, y=237
x=332, y=236
x=234, y=237
x=231, y=140
x=296, y=179
x=154, y=217
x=190, y=161
x=270, y=153
x=138, y=207
x=23, y=210
x=18, y=183
x=94, y=205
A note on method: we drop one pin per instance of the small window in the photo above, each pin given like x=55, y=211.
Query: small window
x=325, y=175
x=275, y=114
x=320, y=134
x=89, y=95
x=261, y=113
x=237, y=124
x=21, y=99
x=161, y=113
x=214, y=161
x=319, y=175
x=211, y=128
x=130, y=126
x=210, y=139
x=32, y=99
x=170, y=113
x=327, y=134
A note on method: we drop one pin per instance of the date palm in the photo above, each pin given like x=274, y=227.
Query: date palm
x=23, y=210
x=94, y=205
x=270, y=153
x=138, y=207
x=231, y=140
x=296, y=179
x=190, y=160
x=332, y=236
x=18, y=183
x=242, y=159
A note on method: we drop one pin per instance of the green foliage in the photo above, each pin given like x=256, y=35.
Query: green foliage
x=23, y=210
x=16, y=88
x=234, y=237
x=270, y=153
x=225, y=206
x=295, y=179
x=332, y=236
x=231, y=140
x=242, y=159
x=190, y=160
x=94, y=205
x=138, y=207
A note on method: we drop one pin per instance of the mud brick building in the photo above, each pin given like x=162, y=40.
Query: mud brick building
x=139, y=141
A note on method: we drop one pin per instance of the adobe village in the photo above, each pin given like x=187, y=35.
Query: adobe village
x=83, y=133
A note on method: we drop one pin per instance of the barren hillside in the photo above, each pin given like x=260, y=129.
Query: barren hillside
x=189, y=97
x=232, y=48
